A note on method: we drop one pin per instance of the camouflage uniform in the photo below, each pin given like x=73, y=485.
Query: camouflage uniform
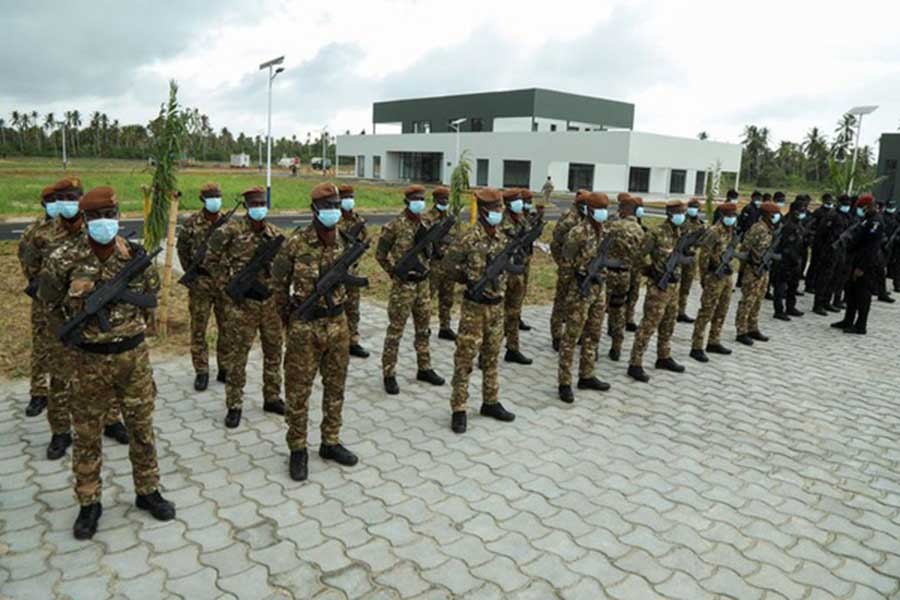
x=660, y=306
x=513, y=226
x=584, y=313
x=318, y=345
x=397, y=237
x=481, y=324
x=230, y=249
x=691, y=224
x=564, y=275
x=204, y=295
x=627, y=240
x=351, y=304
x=74, y=270
x=716, y=297
x=32, y=251
x=753, y=287
x=441, y=276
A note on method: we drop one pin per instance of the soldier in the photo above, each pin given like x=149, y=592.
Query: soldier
x=627, y=240
x=887, y=228
x=825, y=257
x=481, y=321
x=693, y=223
x=353, y=224
x=514, y=224
x=585, y=314
x=864, y=267
x=637, y=272
x=204, y=295
x=787, y=270
x=816, y=219
x=318, y=342
x=716, y=284
x=109, y=362
x=564, y=273
x=547, y=190
x=534, y=216
x=750, y=213
x=846, y=218
x=410, y=294
x=731, y=197
x=660, y=305
x=755, y=244
x=442, y=283
x=231, y=248
x=892, y=246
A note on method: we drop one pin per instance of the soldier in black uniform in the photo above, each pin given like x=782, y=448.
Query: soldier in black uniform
x=864, y=267
x=750, y=213
x=731, y=197
x=828, y=259
x=787, y=271
x=818, y=217
x=842, y=272
x=883, y=294
x=892, y=243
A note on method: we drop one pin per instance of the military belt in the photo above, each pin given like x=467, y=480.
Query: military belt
x=323, y=312
x=484, y=300
x=112, y=347
x=415, y=278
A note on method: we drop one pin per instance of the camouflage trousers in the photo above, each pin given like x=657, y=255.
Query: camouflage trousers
x=634, y=292
x=753, y=289
x=565, y=279
x=406, y=298
x=351, y=310
x=513, y=299
x=63, y=369
x=40, y=348
x=443, y=286
x=480, y=330
x=618, y=284
x=204, y=297
x=714, y=303
x=100, y=379
x=660, y=311
x=320, y=346
x=585, y=316
x=684, y=288
x=244, y=321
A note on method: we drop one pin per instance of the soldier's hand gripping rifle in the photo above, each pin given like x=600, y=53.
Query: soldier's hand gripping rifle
x=596, y=267
x=531, y=235
x=731, y=252
x=846, y=236
x=771, y=254
x=245, y=284
x=410, y=266
x=506, y=261
x=680, y=255
x=192, y=272
x=32, y=288
x=337, y=274
x=114, y=290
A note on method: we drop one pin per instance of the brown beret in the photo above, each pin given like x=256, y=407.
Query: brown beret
x=345, y=191
x=674, y=203
x=252, y=193
x=580, y=194
x=622, y=197
x=48, y=191
x=414, y=192
x=728, y=208
x=526, y=194
x=440, y=192
x=67, y=183
x=695, y=202
x=638, y=200
x=210, y=190
x=488, y=195
x=323, y=191
x=98, y=199
x=597, y=200
x=769, y=208
x=512, y=194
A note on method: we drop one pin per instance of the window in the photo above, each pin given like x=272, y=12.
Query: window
x=426, y=126
x=415, y=127
x=553, y=127
x=376, y=167
x=639, y=179
x=476, y=124
x=581, y=176
x=481, y=172
x=534, y=125
x=891, y=164
x=361, y=166
x=700, y=183
x=676, y=181
x=516, y=173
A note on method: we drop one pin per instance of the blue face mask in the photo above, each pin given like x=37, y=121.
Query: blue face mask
x=600, y=215
x=52, y=209
x=103, y=231
x=677, y=219
x=890, y=211
x=67, y=208
x=692, y=211
x=780, y=204
x=347, y=204
x=516, y=206
x=493, y=217
x=639, y=212
x=442, y=207
x=257, y=213
x=827, y=206
x=775, y=218
x=729, y=221
x=801, y=216
x=328, y=217
x=212, y=205
x=860, y=212
x=416, y=206
x=757, y=203
x=845, y=208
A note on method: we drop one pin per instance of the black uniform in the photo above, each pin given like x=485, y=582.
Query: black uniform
x=892, y=247
x=816, y=219
x=827, y=258
x=865, y=271
x=787, y=271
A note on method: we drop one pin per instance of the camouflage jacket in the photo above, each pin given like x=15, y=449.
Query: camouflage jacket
x=692, y=225
x=712, y=246
x=436, y=216
x=300, y=263
x=512, y=228
x=473, y=252
x=353, y=220
x=627, y=240
x=73, y=271
x=565, y=223
x=397, y=237
x=32, y=248
x=756, y=242
x=659, y=244
x=232, y=246
x=191, y=235
x=582, y=245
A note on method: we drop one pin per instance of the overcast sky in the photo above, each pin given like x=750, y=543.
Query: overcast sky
x=713, y=65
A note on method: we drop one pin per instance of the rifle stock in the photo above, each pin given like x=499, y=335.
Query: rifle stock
x=191, y=273
x=245, y=285
x=337, y=274
x=410, y=263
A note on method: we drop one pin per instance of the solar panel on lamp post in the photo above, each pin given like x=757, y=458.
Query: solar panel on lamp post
x=858, y=111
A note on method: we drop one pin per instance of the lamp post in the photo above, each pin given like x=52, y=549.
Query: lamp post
x=456, y=124
x=273, y=73
x=65, y=159
x=324, y=151
x=858, y=111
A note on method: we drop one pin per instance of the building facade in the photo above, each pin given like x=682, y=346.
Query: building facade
x=888, y=158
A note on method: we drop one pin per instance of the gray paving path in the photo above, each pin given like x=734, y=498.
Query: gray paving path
x=769, y=474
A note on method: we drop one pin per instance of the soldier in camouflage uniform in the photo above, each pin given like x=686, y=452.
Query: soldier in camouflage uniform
x=204, y=295
x=318, y=341
x=514, y=224
x=660, y=306
x=354, y=225
x=230, y=249
x=753, y=287
x=409, y=295
x=564, y=272
x=627, y=240
x=481, y=323
x=693, y=222
x=442, y=283
x=534, y=215
x=716, y=296
x=110, y=362
x=585, y=313
x=637, y=274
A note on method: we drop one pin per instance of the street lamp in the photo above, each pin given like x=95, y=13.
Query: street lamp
x=456, y=124
x=272, y=75
x=858, y=111
x=62, y=126
x=324, y=152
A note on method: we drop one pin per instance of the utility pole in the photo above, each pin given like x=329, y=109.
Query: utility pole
x=272, y=75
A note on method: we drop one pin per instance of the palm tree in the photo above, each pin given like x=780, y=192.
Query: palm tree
x=756, y=148
x=49, y=127
x=815, y=145
x=2, y=131
x=36, y=127
x=702, y=136
x=76, y=125
x=843, y=136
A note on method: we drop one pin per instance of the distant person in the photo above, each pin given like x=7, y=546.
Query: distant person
x=547, y=189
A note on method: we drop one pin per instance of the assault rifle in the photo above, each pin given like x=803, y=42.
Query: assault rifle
x=596, y=266
x=846, y=236
x=731, y=252
x=114, y=290
x=192, y=272
x=32, y=288
x=245, y=284
x=337, y=274
x=679, y=256
x=771, y=254
x=504, y=261
x=410, y=265
x=530, y=236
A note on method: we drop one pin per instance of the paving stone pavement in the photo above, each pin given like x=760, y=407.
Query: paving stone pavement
x=772, y=473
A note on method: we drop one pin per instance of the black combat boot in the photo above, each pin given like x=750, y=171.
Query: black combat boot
x=758, y=336
x=842, y=324
x=390, y=386
x=338, y=454
x=614, y=355
x=158, y=507
x=555, y=344
x=592, y=383
x=565, y=394
x=514, y=356
x=36, y=406
x=233, y=418
x=274, y=406
x=201, y=381
x=632, y=327
x=718, y=349
x=429, y=376
x=669, y=364
x=299, y=465
x=781, y=316
x=638, y=374
x=820, y=310
x=458, y=421
x=222, y=375
x=496, y=411
x=86, y=524
x=832, y=308
x=855, y=329
x=358, y=351
x=839, y=305
x=699, y=355
x=793, y=312
x=885, y=298
x=117, y=432
x=524, y=326
x=683, y=318
x=447, y=334
x=744, y=339
x=58, y=444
